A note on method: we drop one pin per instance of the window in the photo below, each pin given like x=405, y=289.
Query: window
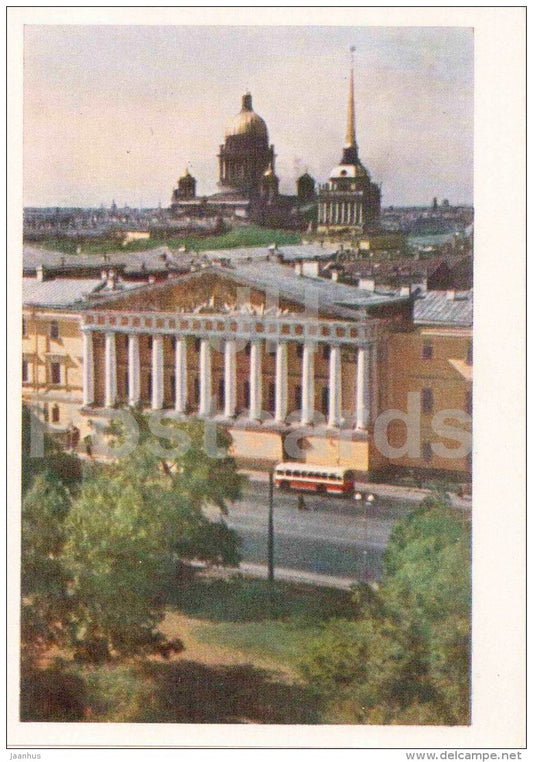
x=55, y=372
x=54, y=329
x=221, y=395
x=46, y=416
x=427, y=350
x=271, y=396
x=247, y=349
x=470, y=353
x=297, y=397
x=196, y=391
x=325, y=351
x=150, y=342
x=325, y=400
x=299, y=350
x=468, y=402
x=197, y=345
x=427, y=451
x=55, y=414
x=427, y=401
x=24, y=328
x=246, y=389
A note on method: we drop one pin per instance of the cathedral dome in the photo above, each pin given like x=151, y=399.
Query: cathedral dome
x=247, y=122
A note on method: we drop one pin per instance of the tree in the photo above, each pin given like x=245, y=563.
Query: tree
x=127, y=528
x=405, y=657
x=45, y=602
x=49, y=457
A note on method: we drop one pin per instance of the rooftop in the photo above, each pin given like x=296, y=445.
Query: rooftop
x=65, y=292
x=444, y=308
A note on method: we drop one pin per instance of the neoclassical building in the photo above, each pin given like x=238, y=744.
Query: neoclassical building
x=294, y=367
x=349, y=201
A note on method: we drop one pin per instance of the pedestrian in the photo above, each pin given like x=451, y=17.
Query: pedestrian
x=88, y=440
x=301, y=503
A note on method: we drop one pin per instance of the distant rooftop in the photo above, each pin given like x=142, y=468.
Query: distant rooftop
x=64, y=292
x=445, y=308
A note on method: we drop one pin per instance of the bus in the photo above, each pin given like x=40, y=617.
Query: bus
x=333, y=480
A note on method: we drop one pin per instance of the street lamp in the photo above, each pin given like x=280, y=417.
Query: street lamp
x=271, y=526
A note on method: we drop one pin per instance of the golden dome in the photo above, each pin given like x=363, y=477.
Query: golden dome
x=247, y=122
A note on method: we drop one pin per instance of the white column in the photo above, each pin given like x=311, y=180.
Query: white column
x=180, y=391
x=157, y=373
x=230, y=379
x=362, y=409
x=335, y=386
x=205, y=377
x=134, y=370
x=308, y=383
x=281, y=382
x=110, y=370
x=256, y=380
x=88, y=368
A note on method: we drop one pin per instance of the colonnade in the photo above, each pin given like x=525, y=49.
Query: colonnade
x=340, y=212
x=366, y=377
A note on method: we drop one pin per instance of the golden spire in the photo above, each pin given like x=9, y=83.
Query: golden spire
x=350, y=126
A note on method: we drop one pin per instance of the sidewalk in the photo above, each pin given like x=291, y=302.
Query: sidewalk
x=413, y=494
x=287, y=575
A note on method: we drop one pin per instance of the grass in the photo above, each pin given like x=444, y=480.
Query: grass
x=242, y=641
x=249, y=235
x=281, y=642
x=238, y=599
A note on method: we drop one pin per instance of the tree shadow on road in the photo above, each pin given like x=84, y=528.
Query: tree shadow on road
x=238, y=599
x=190, y=692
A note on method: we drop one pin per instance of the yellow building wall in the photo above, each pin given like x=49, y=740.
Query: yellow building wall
x=63, y=399
x=337, y=451
x=447, y=374
x=260, y=445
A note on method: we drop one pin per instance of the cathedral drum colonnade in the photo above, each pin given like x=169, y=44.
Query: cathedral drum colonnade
x=228, y=335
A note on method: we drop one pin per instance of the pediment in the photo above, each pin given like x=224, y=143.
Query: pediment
x=201, y=293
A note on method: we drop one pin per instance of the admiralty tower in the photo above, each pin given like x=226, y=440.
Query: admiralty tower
x=349, y=200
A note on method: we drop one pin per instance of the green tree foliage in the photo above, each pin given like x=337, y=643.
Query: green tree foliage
x=131, y=523
x=44, y=453
x=406, y=657
x=45, y=602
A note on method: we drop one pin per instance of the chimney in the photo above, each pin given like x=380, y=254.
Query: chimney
x=367, y=284
x=41, y=273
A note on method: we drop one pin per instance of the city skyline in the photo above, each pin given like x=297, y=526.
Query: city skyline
x=97, y=130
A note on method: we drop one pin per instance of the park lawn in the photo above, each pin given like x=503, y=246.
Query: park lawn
x=249, y=235
x=242, y=642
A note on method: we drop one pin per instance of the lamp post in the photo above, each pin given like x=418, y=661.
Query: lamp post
x=271, y=527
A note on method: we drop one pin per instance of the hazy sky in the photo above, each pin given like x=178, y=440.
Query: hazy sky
x=118, y=112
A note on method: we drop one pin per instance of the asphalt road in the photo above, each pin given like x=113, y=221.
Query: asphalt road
x=337, y=537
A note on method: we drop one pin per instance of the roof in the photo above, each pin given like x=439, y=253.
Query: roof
x=64, y=292
x=160, y=259
x=329, y=295
x=444, y=308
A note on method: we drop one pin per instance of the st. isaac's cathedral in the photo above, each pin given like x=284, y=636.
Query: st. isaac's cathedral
x=249, y=186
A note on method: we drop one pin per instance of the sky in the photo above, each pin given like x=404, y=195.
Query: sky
x=118, y=112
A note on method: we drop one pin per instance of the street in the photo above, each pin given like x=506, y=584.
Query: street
x=335, y=537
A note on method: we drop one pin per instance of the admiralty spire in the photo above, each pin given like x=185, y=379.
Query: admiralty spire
x=349, y=200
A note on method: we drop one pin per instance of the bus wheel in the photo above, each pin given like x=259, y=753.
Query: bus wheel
x=284, y=486
x=321, y=489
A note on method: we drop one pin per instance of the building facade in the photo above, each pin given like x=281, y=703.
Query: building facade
x=295, y=368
